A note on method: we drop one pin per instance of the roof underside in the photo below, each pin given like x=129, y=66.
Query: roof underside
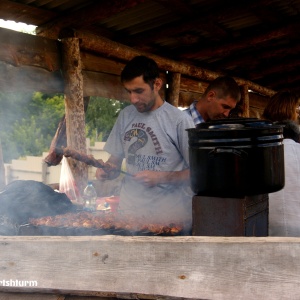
x=257, y=40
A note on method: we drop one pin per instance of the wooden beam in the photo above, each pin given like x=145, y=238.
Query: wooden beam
x=293, y=77
x=239, y=44
x=186, y=98
x=45, y=55
x=254, y=58
x=74, y=108
x=104, y=85
x=21, y=49
x=271, y=70
x=18, y=12
x=29, y=79
x=113, y=49
x=187, y=267
x=83, y=18
x=196, y=20
x=191, y=85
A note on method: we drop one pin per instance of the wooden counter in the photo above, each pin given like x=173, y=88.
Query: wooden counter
x=189, y=267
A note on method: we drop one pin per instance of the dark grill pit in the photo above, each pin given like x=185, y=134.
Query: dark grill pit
x=93, y=224
x=32, y=230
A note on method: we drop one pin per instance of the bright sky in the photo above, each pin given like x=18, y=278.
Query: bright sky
x=18, y=26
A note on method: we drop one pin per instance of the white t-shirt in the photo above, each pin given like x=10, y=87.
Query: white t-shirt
x=284, y=205
x=156, y=141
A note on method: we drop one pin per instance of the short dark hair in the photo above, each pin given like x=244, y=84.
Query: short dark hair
x=225, y=86
x=141, y=65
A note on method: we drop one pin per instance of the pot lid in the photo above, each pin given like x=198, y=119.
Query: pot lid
x=234, y=123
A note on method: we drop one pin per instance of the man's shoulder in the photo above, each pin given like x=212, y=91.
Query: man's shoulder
x=128, y=110
x=176, y=111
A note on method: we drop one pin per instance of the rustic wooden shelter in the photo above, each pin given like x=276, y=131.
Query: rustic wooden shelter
x=79, y=49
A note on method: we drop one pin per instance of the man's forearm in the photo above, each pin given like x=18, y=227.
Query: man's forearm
x=175, y=176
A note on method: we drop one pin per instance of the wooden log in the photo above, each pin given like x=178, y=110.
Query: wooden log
x=186, y=98
x=29, y=79
x=109, y=48
x=74, y=107
x=191, y=85
x=154, y=267
x=21, y=49
x=174, y=88
x=43, y=53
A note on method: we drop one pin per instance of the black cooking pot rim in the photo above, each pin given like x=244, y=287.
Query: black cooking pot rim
x=234, y=123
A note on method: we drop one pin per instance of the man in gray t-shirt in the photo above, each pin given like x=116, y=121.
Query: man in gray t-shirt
x=150, y=134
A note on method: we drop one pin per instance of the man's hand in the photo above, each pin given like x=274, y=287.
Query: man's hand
x=154, y=178
x=148, y=178
x=109, y=171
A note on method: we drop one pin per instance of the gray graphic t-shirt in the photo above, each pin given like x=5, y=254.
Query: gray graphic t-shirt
x=155, y=141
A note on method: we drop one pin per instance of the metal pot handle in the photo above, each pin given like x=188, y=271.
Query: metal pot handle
x=222, y=150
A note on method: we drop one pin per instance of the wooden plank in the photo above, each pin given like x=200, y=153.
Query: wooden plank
x=29, y=79
x=23, y=296
x=192, y=85
x=43, y=53
x=10, y=10
x=258, y=101
x=186, y=98
x=84, y=17
x=74, y=108
x=104, y=85
x=92, y=62
x=32, y=296
x=188, y=267
x=21, y=49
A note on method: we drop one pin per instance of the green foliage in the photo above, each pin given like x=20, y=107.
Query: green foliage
x=28, y=122
x=101, y=117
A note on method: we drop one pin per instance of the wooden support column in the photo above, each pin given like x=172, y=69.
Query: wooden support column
x=244, y=104
x=74, y=107
x=174, y=88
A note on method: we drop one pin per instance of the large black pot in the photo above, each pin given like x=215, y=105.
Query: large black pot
x=236, y=158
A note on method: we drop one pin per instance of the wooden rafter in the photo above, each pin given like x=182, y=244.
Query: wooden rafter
x=27, y=14
x=87, y=16
x=241, y=43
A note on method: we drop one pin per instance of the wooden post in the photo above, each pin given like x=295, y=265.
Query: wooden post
x=244, y=104
x=2, y=169
x=74, y=107
x=174, y=88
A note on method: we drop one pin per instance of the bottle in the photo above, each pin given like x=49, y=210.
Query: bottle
x=90, y=196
